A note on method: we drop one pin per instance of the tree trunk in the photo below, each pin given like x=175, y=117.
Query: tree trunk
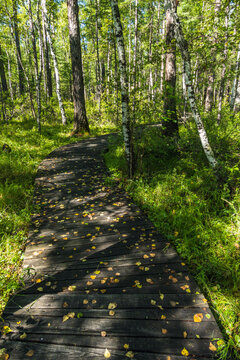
x=2, y=73
x=46, y=60
x=19, y=55
x=80, y=117
x=127, y=136
x=150, y=92
x=55, y=64
x=9, y=75
x=98, y=70
x=135, y=61
x=162, y=59
x=223, y=73
x=170, y=110
x=183, y=46
x=235, y=81
x=37, y=77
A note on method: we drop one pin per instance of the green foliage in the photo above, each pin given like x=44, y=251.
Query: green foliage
x=199, y=216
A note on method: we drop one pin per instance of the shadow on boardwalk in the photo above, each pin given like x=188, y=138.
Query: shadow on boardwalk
x=103, y=281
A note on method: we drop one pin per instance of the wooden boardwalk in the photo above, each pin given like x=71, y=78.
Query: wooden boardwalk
x=100, y=281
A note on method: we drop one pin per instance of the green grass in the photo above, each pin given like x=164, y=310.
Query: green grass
x=200, y=217
x=17, y=172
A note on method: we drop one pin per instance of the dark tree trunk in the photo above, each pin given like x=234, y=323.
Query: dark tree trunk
x=80, y=117
x=17, y=42
x=2, y=73
x=170, y=112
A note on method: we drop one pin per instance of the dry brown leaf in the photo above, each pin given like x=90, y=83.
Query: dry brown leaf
x=185, y=334
x=30, y=353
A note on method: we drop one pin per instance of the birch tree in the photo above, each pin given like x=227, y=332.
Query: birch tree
x=127, y=136
x=183, y=46
x=80, y=117
x=55, y=64
x=170, y=110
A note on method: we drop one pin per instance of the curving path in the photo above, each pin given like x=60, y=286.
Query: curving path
x=100, y=281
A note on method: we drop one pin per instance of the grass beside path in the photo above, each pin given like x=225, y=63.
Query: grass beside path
x=198, y=217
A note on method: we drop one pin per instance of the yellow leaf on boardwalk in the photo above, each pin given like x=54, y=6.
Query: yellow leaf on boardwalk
x=107, y=354
x=130, y=354
x=30, y=353
x=126, y=346
x=212, y=347
x=198, y=317
x=184, y=352
x=112, y=306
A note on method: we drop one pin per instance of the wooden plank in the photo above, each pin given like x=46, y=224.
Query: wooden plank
x=177, y=329
x=170, y=314
x=164, y=346
x=53, y=352
x=128, y=301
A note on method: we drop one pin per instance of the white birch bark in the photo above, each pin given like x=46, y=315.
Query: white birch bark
x=127, y=136
x=235, y=81
x=183, y=46
x=135, y=60
x=55, y=64
x=37, y=78
x=9, y=76
x=224, y=67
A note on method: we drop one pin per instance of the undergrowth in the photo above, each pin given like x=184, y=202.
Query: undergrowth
x=200, y=217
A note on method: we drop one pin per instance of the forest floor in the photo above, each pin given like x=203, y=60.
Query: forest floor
x=100, y=281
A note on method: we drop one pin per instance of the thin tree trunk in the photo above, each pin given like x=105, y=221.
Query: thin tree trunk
x=127, y=136
x=223, y=73
x=98, y=70
x=183, y=46
x=37, y=78
x=18, y=48
x=162, y=59
x=2, y=74
x=55, y=64
x=46, y=63
x=80, y=117
x=135, y=61
x=150, y=94
x=235, y=81
x=9, y=76
x=129, y=48
x=170, y=110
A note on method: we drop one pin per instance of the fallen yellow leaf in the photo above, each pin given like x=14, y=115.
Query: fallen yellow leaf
x=184, y=352
x=198, y=317
x=130, y=354
x=112, y=306
x=107, y=354
x=212, y=347
x=126, y=346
